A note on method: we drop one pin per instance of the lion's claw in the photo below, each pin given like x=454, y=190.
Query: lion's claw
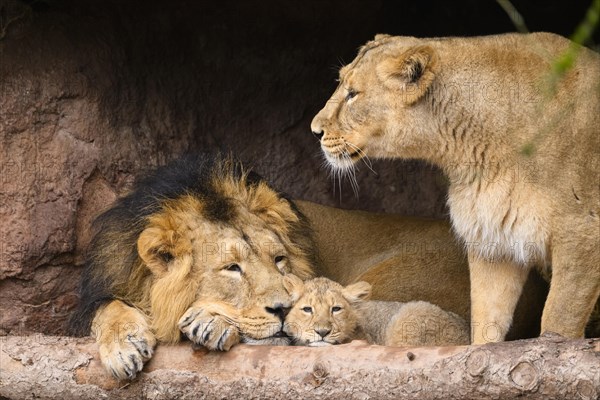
x=211, y=331
x=126, y=357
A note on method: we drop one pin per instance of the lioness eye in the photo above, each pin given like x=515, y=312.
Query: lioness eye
x=336, y=309
x=351, y=94
x=307, y=310
x=234, y=268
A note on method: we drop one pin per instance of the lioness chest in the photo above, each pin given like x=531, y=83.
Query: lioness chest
x=502, y=221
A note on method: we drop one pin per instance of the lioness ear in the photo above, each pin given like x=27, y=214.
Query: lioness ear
x=411, y=73
x=294, y=286
x=357, y=292
x=155, y=250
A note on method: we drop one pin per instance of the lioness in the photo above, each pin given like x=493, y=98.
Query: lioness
x=327, y=313
x=521, y=152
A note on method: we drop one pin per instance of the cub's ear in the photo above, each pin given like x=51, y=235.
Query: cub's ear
x=357, y=292
x=155, y=248
x=411, y=73
x=294, y=286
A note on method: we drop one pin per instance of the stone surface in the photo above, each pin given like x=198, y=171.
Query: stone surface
x=92, y=93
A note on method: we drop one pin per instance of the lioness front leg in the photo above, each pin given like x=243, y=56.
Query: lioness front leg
x=574, y=288
x=495, y=291
x=124, y=338
x=211, y=325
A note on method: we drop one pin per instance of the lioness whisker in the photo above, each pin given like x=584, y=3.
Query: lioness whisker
x=339, y=173
x=352, y=176
x=365, y=157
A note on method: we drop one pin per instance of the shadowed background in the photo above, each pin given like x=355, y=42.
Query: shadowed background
x=93, y=92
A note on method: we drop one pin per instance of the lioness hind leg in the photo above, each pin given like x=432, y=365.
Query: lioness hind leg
x=574, y=290
x=495, y=291
x=124, y=338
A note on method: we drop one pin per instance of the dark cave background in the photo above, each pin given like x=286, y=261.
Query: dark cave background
x=93, y=92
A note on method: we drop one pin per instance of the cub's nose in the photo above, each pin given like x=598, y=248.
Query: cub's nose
x=318, y=135
x=323, y=332
x=279, y=310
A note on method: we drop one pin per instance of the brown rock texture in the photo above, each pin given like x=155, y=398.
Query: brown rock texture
x=551, y=367
x=94, y=92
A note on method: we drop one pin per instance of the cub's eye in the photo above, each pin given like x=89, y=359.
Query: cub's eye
x=336, y=309
x=351, y=94
x=307, y=310
x=233, y=268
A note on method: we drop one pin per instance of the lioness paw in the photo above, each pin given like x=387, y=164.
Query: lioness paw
x=125, y=357
x=211, y=331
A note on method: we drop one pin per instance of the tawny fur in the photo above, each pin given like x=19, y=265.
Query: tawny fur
x=200, y=249
x=520, y=145
x=326, y=313
x=407, y=259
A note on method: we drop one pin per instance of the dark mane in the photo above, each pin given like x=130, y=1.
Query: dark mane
x=114, y=242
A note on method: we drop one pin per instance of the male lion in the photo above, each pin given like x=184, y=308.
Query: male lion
x=521, y=149
x=201, y=247
x=327, y=313
x=193, y=240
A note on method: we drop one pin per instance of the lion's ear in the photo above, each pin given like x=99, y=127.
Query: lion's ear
x=155, y=250
x=411, y=73
x=381, y=36
x=356, y=292
x=294, y=286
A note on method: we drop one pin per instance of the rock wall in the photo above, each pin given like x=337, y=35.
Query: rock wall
x=94, y=92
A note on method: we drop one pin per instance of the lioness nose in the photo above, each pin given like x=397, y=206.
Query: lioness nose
x=279, y=310
x=318, y=135
x=323, y=332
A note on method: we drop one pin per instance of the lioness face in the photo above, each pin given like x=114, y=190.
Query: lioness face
x=241, y=263
x=323, y=312
x=375, y=110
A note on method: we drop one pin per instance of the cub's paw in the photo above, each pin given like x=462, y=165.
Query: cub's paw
x=206, y=328
x=124, y=356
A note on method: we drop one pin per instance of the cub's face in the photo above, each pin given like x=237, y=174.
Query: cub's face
x=374, y=112
x=323, y=312
x=241, y=262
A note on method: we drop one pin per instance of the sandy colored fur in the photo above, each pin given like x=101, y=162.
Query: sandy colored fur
x=520, y=146
x=416, y=323
x=340, y=325
x=124, y=337
x=216, y=241
x=407, y=259
x=424, y=324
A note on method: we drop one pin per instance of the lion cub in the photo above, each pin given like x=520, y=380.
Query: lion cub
x=326, y=313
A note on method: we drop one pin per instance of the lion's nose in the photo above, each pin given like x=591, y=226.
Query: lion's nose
x=323, y=332
x=318, y=135
x=278, y=310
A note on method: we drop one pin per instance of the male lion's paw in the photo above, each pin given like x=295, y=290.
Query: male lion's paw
x=125, y=356
x=214, y=332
